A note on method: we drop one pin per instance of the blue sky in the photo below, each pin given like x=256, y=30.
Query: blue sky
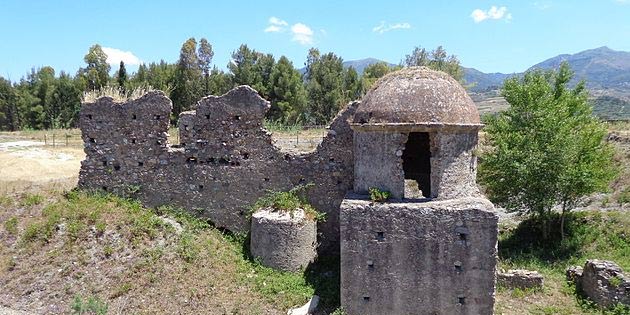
x=492, y=36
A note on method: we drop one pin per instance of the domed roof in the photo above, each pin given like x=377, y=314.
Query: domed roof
x=417, y=96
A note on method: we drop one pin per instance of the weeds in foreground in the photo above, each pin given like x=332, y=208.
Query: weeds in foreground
x=10, y=225
x=289, y=201
x=91, y=305
x=378, y=195
x=29, y=200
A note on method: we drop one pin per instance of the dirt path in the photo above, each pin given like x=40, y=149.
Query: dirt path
x=24, y=164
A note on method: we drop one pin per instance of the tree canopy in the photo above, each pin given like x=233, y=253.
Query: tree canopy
x=547, y=149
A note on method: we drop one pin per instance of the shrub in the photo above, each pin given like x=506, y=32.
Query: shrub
x=378, y=195
x=289, y=201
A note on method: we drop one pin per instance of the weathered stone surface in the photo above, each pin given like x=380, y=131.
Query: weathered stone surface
x=434, y=257
x=417, y=95
x=573, y=273
x=521, y=279
x=283, y=240
x=603, y=282
x=225, y=163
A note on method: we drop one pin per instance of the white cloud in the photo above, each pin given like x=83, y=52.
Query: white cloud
x=382, y=28
x=276, y=21
x=115, y=56
x=302, y=34
x=545, y=5
x=623, y=1
x=276, y=25
x=273, y=29
x=494, y=13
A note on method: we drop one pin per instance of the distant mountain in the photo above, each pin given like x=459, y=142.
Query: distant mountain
x=602, y=68
x=484, y=81
x=361, y=64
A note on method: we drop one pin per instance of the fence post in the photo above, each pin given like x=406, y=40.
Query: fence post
x=45, y=140
x=67, y=139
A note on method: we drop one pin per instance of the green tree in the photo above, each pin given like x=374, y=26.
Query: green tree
x=376, y=71
x=97, y=70
x=205, y=54
x=9, y=116
x=548, y=149
x=325, y=86
x=353, y=85
x=219, y=82
x=121, y=77
x=66, y=102
x=438, y=59
x=187, y=90
x=288, y=96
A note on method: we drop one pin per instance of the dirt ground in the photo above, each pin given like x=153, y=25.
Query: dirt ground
x=26, y=165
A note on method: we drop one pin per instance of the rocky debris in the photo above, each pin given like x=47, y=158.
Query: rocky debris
x=283, y=240
x=521, y=279
x=176, y=226
x=601, y=281
x=308, y=308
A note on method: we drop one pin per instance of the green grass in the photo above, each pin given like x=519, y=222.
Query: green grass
x=10, y=225
x=30, y=200
x=91, y=305
x=588, y=235
x=77, y=215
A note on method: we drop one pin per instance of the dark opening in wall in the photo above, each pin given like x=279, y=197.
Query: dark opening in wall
x=186, y=127
x=133, y=141
x=157, y=117
x=116, y=167
x=89, y=116
x=461, y=300
x=237, y=117
x=133, y=116
x=417, y=161
x=105, y=163
x=366, y=298
x=380, y=236
x=245, y=156
x=92, y=140
x=200, y=187
x=104, y=188
x=207, y=116
x=140, y=163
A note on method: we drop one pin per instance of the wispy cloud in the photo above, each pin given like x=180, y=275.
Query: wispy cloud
x=302, y=34
x=623, y=1
x=115, y=56
x=494, y=13
x=383, y=27
x=544, y=5
x=276, y=25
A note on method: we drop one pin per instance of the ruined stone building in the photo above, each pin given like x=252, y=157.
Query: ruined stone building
x=431, y=249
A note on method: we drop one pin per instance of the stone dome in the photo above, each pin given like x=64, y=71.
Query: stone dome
x=417, y=96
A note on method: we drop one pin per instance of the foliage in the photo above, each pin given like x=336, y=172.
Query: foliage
x=288, y=96
x=438, y=59
x=376, y=71
x=97, y=71
x=289, y=201
x=547, y=149
x=378, y=195
x=91, y=305
x=588, y=235
x=325, y=85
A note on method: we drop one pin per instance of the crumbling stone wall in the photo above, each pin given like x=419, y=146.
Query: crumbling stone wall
x=225, y=162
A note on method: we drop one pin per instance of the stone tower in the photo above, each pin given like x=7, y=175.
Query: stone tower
x=431, y=248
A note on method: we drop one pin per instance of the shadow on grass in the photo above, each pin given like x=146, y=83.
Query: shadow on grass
x=323, y=275
x=526, y=241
